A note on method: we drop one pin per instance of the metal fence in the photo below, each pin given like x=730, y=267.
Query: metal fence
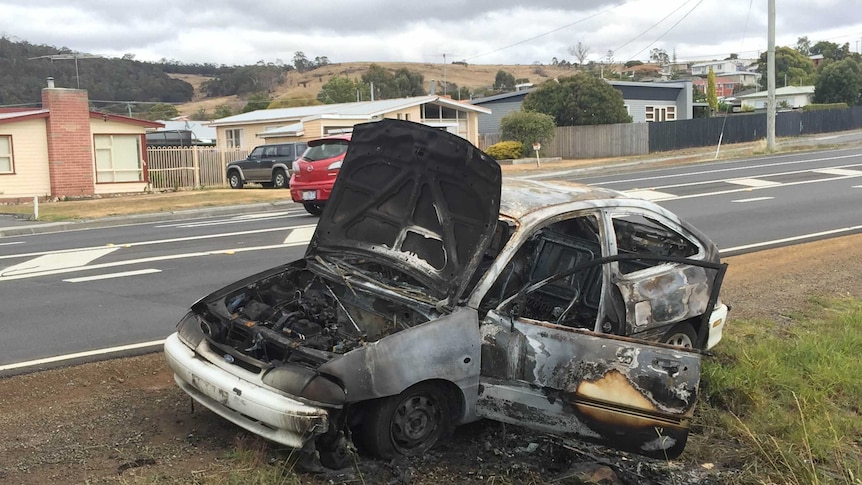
x=189, y=167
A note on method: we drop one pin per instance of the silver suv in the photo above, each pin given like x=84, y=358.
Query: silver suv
x=268, y=165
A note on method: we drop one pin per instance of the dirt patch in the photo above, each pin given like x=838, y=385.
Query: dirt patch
x=124, y=420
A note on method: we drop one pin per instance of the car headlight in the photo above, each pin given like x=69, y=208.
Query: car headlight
x=191, y=330
x=295, y=167
x=335, y=165
x=297, y=380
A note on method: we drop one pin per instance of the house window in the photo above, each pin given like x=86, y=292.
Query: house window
x=661, y=113
x=6, y=165
x=406, y=116
x=234, y=138
x=118, y=158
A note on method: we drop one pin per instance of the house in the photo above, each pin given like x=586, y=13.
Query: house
x=786, y=97
x=64, y=149
x=644, y=101
x=723, y=67
x=726, y=85
x=306, y=123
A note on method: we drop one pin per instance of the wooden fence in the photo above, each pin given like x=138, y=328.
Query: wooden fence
x=189, y=167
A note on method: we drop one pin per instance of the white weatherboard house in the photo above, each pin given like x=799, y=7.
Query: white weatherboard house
x=788, y=96
x=305, y=123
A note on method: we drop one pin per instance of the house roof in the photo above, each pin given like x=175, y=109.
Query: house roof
x=785, y=91
x=356, y=110
x=13, y=116
x=656, y=84
x=126, y=119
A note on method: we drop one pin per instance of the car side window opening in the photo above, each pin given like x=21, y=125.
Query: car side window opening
x=636, y=234
x=256, y=153
x=572, y=300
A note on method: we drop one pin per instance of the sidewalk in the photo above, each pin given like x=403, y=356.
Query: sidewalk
x=11, y=226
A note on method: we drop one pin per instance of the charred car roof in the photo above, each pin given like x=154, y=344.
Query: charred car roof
x=416, y=198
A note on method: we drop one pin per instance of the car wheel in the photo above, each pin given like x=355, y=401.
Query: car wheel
x=234, y=180
x=313, y=208
x=682, y=335
x=408, y=424
x=279, y=179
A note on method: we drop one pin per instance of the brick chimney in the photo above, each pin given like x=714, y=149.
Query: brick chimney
x=70, y=142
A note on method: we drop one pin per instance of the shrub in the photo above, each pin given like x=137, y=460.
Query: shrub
x=505, y=150
x=528, y=127
x=826, y=106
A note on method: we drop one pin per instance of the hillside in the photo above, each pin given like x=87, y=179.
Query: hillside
x=307, y=84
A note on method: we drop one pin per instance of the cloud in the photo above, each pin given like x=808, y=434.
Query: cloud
x=480, y=31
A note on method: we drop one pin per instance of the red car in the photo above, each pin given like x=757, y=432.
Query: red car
x=315, y=171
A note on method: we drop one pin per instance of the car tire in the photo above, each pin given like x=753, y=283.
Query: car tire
x=234, y=179
x=681, y=335
x=279, y=179
x=313, y=208
x=408, y=424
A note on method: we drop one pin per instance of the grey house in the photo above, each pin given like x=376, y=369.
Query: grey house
x=645, y=102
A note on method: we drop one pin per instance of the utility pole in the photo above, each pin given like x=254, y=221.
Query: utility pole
x=770, y=81
x=444, y=74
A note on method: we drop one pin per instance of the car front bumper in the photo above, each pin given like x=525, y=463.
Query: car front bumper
x=241, y=397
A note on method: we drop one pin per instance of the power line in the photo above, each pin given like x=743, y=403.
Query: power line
x=548, y=32
x=652, y=26
x=668, y=30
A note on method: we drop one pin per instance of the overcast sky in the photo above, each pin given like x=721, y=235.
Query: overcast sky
x=478, y=31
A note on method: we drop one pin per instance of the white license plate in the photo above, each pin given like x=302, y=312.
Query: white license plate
x=309, y=194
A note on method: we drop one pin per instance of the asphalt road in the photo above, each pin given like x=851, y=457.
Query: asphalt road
x=84, y=294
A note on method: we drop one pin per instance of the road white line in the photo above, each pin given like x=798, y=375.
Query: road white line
x=749, y=189
x=234, y=220
x=148, y=260
x=48, y=262
x=821, y=138
x=857, y=187
x=302, y=235
x=163, y=241
x=753, y=199
x=839, y=171
x=11, y=243
x=78, y=355
x=647, y=194
x=122, y=274
x=792, y=239
x=753, y=182
x=732, y=169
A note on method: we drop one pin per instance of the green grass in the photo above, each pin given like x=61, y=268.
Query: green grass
x=788, y=395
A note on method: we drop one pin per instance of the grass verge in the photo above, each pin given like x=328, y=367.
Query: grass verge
x=782, y=401
x=143, y=203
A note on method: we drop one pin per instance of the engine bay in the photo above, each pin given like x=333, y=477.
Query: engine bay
x=298, y=315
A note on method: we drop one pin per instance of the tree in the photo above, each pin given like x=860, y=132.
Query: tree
x=222, y=111
x=527, y=127
x=633, y=63
x=580, y=51
x=504, y=81
x=831, y=50
x=790, y=65
x=390, y=84
x=578, y=100
x=659, y=56
x=711, y=97
x=803, y=46
x=839, y=82
x=162, y=111
x=301, y=63
x=257, y=101
x=341, y=89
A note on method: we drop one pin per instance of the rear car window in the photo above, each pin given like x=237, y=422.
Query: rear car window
x=328, y=149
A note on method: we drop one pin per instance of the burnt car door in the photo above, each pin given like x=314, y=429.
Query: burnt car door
x=544, y=365
x=659, y=289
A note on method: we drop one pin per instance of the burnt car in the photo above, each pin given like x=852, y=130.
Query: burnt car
x=433, y=294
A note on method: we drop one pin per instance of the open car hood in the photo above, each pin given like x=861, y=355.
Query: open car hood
x=414, y=198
